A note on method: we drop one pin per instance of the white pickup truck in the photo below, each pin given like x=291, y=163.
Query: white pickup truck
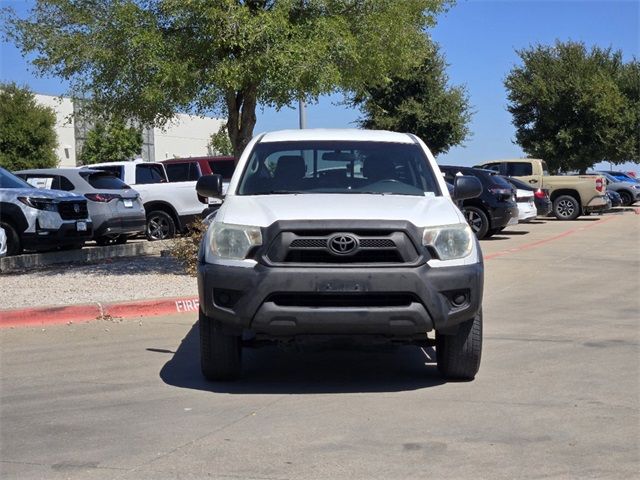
x=169, y=207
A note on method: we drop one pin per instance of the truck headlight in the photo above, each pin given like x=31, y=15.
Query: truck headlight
x=449, y=241
x=233, y=241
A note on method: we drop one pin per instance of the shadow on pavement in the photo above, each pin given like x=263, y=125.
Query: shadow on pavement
x=514, y=232
x=274, y=370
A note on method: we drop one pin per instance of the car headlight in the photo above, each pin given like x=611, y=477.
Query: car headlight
x=449, y=241
x=233, y=241
x=40, y=203
x=636, y=186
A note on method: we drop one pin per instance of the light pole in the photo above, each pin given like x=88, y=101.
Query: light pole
x=302, y=112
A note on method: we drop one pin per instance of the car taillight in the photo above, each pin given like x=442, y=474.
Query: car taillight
x=539, y=193
x=501, y=191
x=599, y=184
x=101, y=197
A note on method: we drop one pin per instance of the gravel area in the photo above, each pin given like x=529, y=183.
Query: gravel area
x=123, y=279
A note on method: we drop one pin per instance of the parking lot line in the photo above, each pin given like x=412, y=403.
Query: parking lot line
x=528, y=246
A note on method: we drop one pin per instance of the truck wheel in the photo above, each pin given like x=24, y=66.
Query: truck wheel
x=14, y=246
x=477, y=220
x=459, y=355
x=566, y=207
x=220, y=354
x=626, y=198
x=160, y=225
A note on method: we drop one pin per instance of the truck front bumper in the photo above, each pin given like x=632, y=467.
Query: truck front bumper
x=388, y=301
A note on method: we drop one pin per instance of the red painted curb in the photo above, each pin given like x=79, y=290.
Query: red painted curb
x=39, y=316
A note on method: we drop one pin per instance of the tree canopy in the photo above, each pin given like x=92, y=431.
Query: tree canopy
x=150, y=59
x=111, y=141
x=575, y=107
x=27, y=130
x=419, y=101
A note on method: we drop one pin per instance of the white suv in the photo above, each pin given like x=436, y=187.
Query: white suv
x=339, y=232
x=35, y=219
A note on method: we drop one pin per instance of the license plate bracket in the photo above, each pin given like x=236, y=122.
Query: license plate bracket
x=340, y=286
x=128, y=203
x=81, y=226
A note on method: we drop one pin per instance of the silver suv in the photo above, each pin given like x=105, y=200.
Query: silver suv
x=36, y=219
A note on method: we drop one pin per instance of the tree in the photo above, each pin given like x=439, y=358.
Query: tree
x=150, y=59
x=421, y=102
x=220, y=142
x=27, y=130
x=111, y=141
x=574, y=107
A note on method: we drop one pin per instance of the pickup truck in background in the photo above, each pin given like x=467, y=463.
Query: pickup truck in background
x=169, y=207
x=192, y=168
x=571, y=195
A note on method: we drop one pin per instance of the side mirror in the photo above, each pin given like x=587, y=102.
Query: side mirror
x=466, y=186
x=210, y=186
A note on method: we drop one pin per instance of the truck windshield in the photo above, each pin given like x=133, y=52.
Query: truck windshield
x=337, y=167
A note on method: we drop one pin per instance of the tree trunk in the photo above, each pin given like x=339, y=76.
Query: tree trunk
x=241, y=108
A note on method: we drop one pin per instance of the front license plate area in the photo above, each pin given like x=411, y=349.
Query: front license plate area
x=339, y=286
x=81, y=226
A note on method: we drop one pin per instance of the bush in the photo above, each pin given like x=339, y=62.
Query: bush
x=185, y=249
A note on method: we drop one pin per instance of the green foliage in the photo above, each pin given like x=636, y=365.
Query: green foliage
x=27, y=130
x=111, y=141
x=421, y=102
x=220, y=142
x=148, y=60
x=574, y=107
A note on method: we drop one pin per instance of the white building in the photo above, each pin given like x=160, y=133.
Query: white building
x=185, y=136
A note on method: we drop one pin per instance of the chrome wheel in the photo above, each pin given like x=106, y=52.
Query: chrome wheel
x=474, y=220
x=160, y=225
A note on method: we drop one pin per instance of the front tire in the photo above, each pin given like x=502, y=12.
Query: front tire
x=566, y=207
x=160, y=226
x=458, y=355
x=14, y=246
x=220, y=353
x=477, y=220
x=626, y=198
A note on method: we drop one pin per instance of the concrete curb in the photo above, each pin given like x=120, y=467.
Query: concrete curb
x=41, y=316
x=85, y=255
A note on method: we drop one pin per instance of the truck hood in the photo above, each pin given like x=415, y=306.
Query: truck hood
x=263, y=210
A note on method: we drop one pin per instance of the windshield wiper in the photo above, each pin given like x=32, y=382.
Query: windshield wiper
x=277, y=192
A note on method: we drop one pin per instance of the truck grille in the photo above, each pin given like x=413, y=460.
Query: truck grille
x=364, y=247
x=73, y=210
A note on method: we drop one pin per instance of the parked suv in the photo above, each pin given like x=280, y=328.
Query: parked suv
x=494, y=209
x=339, y=232
x=169, y=207
x=35, y=219
x=114, y=207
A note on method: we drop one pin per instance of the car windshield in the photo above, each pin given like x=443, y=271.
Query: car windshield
x=520, y=184
x=9, y=180
x=338, y=167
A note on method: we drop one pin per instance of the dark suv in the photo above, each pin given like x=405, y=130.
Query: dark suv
x=494, y=209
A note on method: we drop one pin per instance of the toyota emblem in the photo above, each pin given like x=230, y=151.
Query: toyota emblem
x=343, y=244
x=76, y=208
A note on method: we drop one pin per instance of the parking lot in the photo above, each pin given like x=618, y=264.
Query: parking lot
x=557, y=394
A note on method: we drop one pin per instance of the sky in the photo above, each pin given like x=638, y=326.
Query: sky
x=479, y=39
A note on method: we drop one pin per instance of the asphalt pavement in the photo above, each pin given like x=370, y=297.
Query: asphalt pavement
x=557, y=395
